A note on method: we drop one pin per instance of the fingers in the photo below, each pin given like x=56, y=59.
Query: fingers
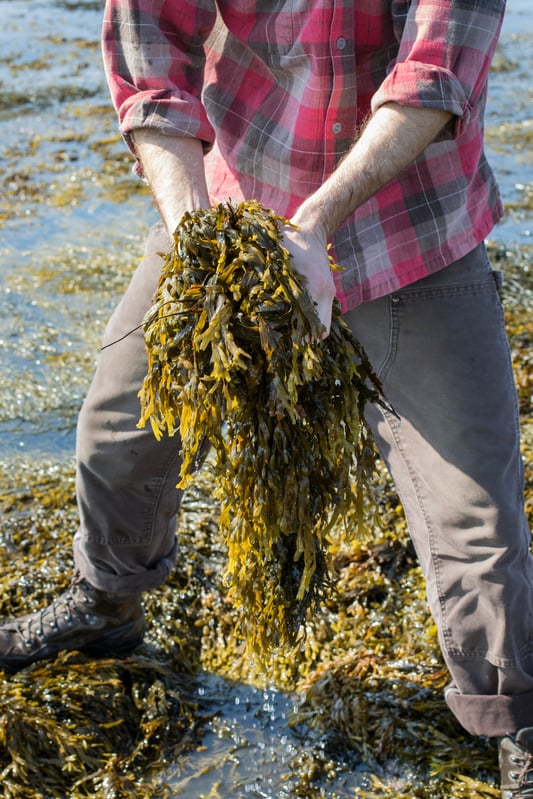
x=309, y=258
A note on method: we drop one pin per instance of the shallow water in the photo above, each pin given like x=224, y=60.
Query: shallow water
x=509, y=120
x=72, y=221
x=68, y=208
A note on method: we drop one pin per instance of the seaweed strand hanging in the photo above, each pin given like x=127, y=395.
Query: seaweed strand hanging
x=236, y=358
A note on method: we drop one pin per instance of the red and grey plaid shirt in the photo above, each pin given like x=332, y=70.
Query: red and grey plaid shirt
x=278, y=95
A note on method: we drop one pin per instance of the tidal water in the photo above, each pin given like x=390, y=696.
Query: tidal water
x=72, y=222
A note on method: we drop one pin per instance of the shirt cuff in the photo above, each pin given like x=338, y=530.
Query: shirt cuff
x=420, y=85
x=166, y=113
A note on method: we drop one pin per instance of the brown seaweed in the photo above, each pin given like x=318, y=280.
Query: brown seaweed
x=236, y=357
x=368, y=674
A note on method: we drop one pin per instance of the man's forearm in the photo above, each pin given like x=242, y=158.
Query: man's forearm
x=392, y=139
x=174, y=169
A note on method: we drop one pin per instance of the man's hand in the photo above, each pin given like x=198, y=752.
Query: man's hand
x=309, y=257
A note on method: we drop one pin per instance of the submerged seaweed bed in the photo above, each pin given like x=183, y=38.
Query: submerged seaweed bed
x=357, y=709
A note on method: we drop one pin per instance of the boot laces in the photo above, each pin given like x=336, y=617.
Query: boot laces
x=524, y=777
x=64, y=608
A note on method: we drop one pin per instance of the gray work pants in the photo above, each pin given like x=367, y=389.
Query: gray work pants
x=440, y=349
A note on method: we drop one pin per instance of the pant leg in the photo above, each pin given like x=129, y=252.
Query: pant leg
x=440, y=348
x=126, y=479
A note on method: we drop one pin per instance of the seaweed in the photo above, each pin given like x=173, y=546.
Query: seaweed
x=236, y=358
x=91, y=728
x=367, y=677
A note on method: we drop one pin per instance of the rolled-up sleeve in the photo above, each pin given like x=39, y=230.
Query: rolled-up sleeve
x=153, y=53
x=444, y=56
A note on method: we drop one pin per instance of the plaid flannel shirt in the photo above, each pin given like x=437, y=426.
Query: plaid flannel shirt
x=278, y=96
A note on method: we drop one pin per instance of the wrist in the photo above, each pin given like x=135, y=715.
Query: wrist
x=174, y=169
x=309, y=218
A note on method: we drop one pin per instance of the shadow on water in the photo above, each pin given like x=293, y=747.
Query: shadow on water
x=366, y=686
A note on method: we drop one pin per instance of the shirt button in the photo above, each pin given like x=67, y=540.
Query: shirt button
x=341, y=43
x=336, y=128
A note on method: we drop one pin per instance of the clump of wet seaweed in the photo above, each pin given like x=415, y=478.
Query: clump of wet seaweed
x=84, y=728
x=235, y=358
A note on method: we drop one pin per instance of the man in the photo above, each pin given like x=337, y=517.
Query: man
x=362, y=122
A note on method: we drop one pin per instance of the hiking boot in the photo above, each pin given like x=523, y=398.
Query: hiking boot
x=82, y=618
x=516, y=765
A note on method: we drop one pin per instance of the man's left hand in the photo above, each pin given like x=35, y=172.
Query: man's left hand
x=309, y=258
